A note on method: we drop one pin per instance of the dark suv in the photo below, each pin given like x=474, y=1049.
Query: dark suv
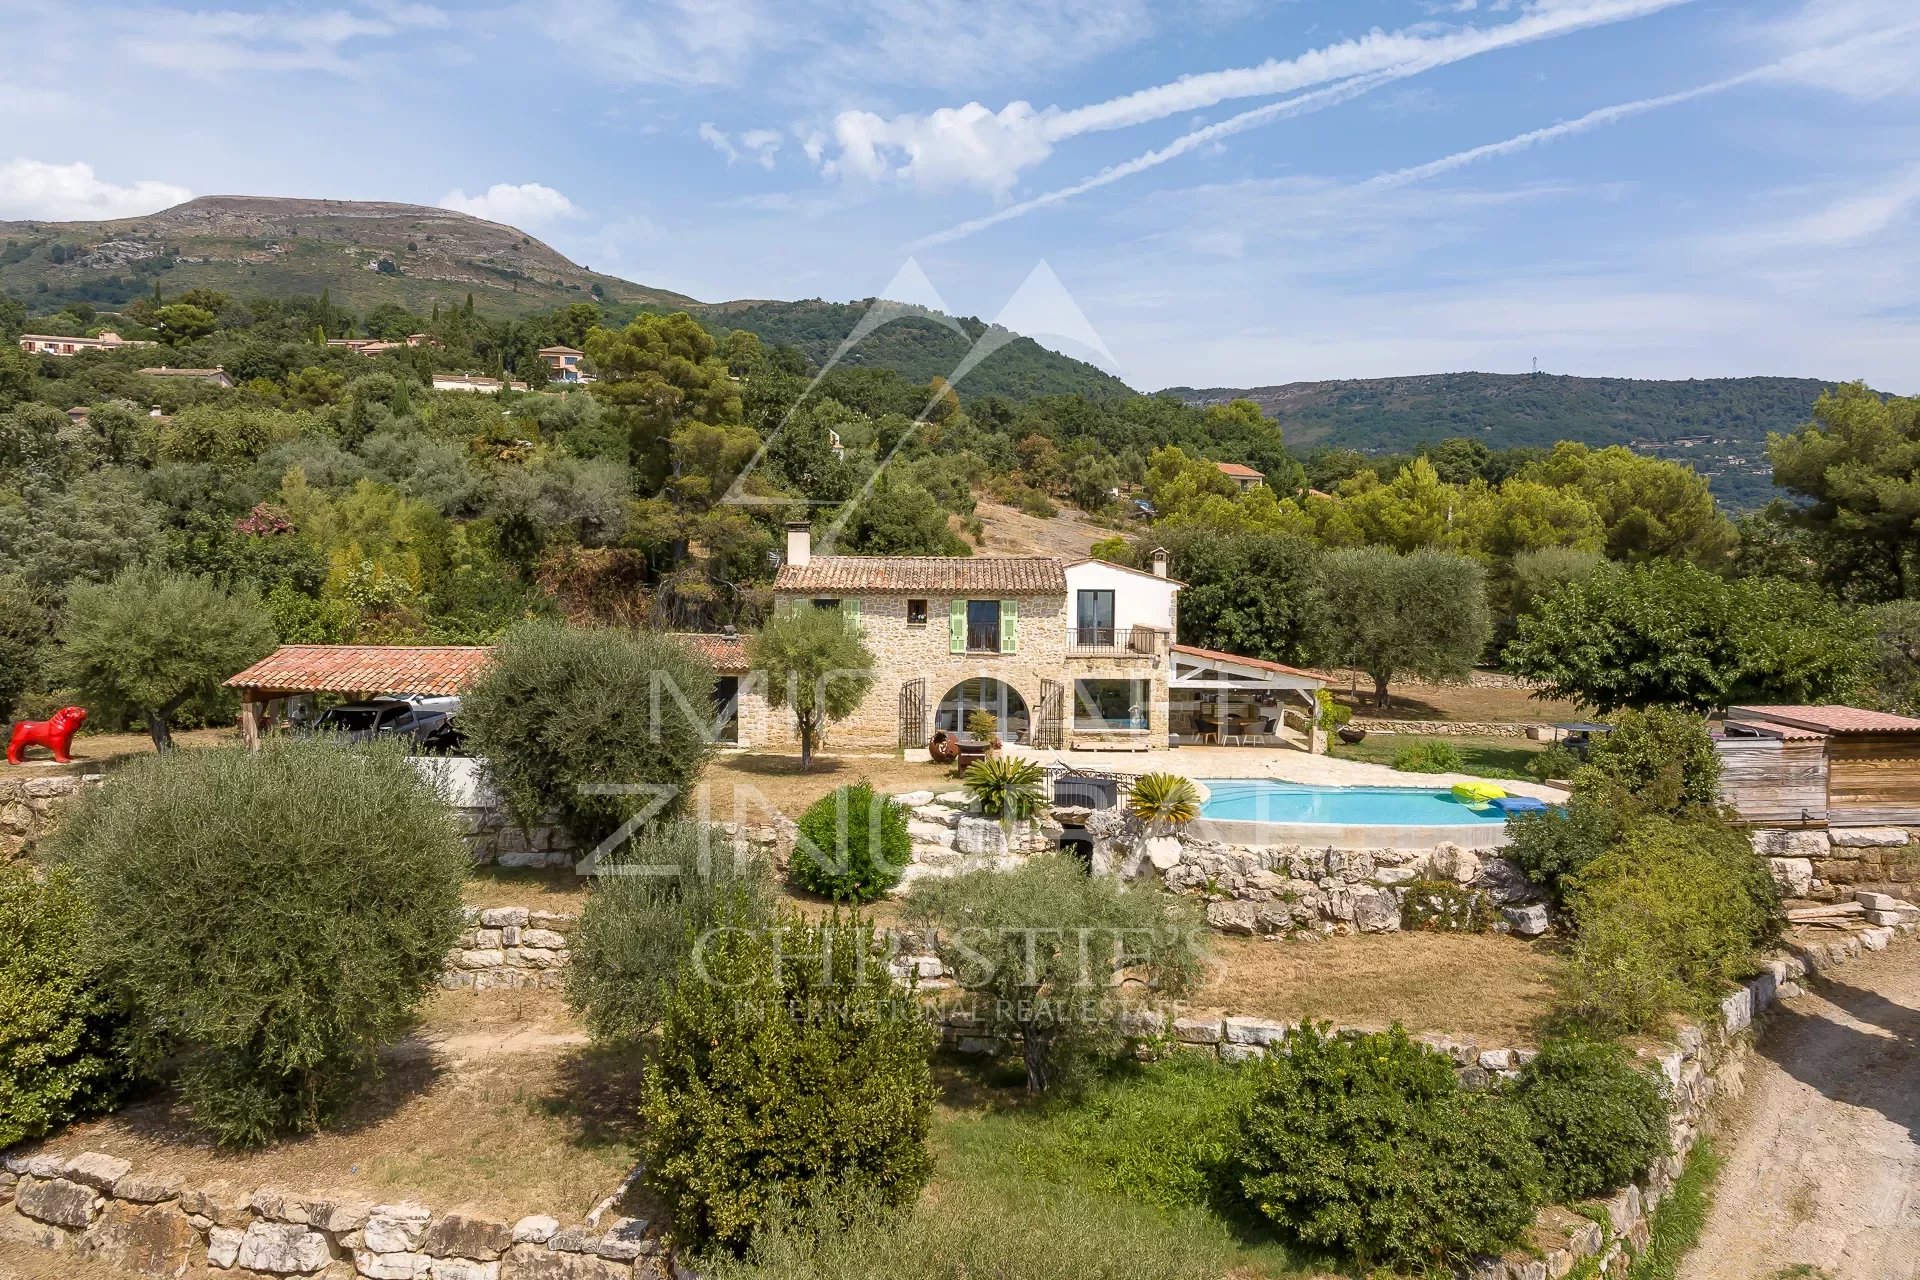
x=427, y=722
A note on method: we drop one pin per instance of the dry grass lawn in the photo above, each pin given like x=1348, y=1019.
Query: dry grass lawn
x=539, y=888
x=1454, y=702
x=753, y=785
x=102, y=747
x=1488, y=986
x=495, y=1103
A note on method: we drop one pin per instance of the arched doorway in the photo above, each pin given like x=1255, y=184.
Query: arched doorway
x=984, y=693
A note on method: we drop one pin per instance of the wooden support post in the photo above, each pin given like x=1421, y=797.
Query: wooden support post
x=250, y=707
x=1316, y=736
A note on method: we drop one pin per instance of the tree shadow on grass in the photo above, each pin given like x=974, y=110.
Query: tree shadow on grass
x=1847, y=1064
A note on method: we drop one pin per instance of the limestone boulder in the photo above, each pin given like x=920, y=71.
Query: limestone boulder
x=392, y=1266
x=223, y=1246
x=537, y=1229
x=57, y=1202
x=1234, y=917
x=1793, y=875
x=92, y=1169
x=396, y=1228
x=283, y=1249
x=532, y=1262
x=980, y=836
x=1868, y=837
x=1529, y=921
x=456, y=1235
x=1778, y=842
x=149, y=1240
x=1376, y=912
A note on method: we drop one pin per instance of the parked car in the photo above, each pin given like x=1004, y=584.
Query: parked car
x=427, y=722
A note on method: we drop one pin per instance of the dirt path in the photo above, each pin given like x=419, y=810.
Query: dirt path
x=1823, y=1153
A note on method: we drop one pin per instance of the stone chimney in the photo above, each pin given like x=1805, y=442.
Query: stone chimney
x=799, y=543
x=1159, y=562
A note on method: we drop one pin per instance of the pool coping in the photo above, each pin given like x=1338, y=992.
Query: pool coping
x=1256, y=834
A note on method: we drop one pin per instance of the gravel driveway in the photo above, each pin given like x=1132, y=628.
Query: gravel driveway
x=1823, y=1153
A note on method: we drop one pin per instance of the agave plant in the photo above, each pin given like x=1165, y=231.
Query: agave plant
x=1006, y=787
x=1164, y=799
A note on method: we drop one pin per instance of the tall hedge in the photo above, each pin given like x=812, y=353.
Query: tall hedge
x=61, y=1050
x=270, y=918
x=598, y=726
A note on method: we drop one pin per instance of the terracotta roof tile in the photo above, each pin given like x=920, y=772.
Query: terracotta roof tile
x=366, y=668
x=1830, y=719
x=934, y=575
x=728, y=654
x=1240, y=471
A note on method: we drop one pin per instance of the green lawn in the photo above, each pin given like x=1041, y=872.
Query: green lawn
x=1111, y=1186
x=1486, y=757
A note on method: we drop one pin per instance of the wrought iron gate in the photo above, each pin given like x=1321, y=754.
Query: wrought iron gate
x=1047, y=725
x=913, y=714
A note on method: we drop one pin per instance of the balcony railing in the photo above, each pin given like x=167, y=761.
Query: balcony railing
x=1116, y=642
x=983, y=639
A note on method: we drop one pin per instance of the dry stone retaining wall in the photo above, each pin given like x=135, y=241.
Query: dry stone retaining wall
x=30, y=797
x=1447, y=728
x=1834, y=864
x=97, y=1208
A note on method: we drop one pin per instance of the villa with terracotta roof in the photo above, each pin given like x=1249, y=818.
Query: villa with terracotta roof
x=564, y=364
x=218, y=376
x=47, y=344
x=1243, y=476
x=1066, y=655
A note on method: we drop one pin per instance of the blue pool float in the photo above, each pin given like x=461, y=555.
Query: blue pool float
x=1519, y=804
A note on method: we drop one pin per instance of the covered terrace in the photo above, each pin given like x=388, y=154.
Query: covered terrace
x=1225, y=699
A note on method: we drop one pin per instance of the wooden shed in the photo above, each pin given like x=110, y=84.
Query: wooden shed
x=1821, y=766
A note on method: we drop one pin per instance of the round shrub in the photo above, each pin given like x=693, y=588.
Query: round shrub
x=1366, y=1144
x=1430, y=755
x=791, y=1079
x=643, y=921
x=1661, y=757
x=594, y=726
x=1598, y=1119
x=270, y=918
x=61, y=1052
x=853, y=845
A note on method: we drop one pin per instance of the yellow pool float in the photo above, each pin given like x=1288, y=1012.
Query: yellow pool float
x=1476, y=793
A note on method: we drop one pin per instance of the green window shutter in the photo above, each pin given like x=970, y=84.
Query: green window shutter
x=852, y=609
x=957, y=627
x=1009, y=626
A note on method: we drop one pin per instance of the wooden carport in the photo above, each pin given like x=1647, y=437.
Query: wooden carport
x=358, y=671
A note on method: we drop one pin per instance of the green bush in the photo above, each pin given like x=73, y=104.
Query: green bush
x=1005, y=787
x=791, y=1078
x=853, y=845
x=270, y=918
x=1599, y=1120
x=566, y=710
x=61, y=1051
x=637, y=930
x=1428, y=755
x=1661, y=758
x=1667, y=919
x=1553, y=844
x=1553, y=764
x=1039, y=948
x=1366, y=1144
x=1443, y=906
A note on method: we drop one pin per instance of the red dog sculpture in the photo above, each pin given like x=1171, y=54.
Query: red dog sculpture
x=56, y=735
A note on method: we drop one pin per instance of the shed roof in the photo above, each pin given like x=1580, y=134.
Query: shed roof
x=1218, y=655
x=727, y=653
x=1837, y=720
x=366, y=668
x=933, y=575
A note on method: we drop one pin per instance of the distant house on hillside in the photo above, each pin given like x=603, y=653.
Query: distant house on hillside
x=218, y=376
x=371, y=347
x=1244, y=477
x=43, y=344
x=563, y=364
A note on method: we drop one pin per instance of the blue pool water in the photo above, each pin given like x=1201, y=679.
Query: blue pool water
x=1263, y=800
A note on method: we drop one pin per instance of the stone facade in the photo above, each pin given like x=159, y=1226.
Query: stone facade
x=907, y=651
x=95, y=1208
x=1833, y=865
x=30, y=799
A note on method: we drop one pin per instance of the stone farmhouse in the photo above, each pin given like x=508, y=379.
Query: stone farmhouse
x=1073, y=655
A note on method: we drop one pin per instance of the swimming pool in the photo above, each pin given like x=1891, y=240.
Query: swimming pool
x=1294, y=803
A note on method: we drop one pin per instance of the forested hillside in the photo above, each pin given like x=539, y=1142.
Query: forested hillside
x=921, y=349
x=1717, y=425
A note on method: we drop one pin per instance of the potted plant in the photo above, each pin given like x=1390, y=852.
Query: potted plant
x=985, y=726
x=1005, y=787
x=1163, y=802
x=1334, y=717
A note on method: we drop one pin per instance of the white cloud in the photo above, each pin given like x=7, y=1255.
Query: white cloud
x=204, y=43
x=34, y=189
x=526, y=204
x=1851, y=220
x=1864, y=49
x=756, y=145
x=978, y=146
x=686, y=43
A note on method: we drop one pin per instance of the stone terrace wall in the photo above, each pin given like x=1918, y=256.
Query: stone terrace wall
x=29, y=798
x=509, y=949
x=1835, y=864
x=1448, y=728
x=97, y=1208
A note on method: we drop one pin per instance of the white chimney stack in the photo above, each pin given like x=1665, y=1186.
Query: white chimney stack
x=799, y=543
x=1159, y=562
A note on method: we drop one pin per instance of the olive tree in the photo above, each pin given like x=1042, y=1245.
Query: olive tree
x=1041, y=946
x=269, y=918
x=149, y=642
x=1423, y=613
x=815, y=664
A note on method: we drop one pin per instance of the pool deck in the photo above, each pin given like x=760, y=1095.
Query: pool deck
x=1282, y=765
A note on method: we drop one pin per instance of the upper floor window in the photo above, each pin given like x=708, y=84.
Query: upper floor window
x=985, y=626
x=826, y=602
x=916, y=613
x=1093, y=616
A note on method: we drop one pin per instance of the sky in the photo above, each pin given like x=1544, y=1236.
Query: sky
x=1215, y=193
